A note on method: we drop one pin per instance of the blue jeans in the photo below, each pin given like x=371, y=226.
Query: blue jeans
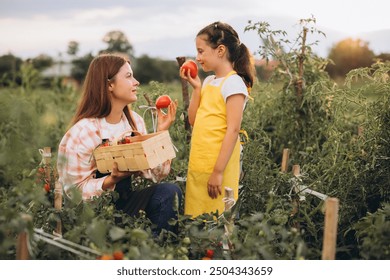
x=162, y=206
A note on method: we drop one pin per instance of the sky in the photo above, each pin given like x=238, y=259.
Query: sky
x=167, y=28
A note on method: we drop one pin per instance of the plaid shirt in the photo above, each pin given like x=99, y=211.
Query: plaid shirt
x=76, y=166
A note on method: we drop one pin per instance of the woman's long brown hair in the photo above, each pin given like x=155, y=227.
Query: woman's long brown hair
x=95, y=100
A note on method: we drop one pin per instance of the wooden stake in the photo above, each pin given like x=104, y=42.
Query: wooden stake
x=229, y=202
x=186, y=99
x=301, y=58
x=57, y=186
x=22, y=242
x=229, y=198
x=286, y=155
x=330, y=230
x=296, y=169
x=46, y=161
x=58, y=205
x=21, y=247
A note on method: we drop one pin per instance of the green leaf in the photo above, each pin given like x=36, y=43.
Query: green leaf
x=116, y=233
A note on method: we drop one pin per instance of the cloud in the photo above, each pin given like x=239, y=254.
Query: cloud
x=30, y=27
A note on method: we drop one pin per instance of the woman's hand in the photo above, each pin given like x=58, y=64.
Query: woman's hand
x=164, y=121
x=115, y=177
x=214, y=185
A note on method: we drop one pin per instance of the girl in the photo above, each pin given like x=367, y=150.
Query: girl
x=215, y=112
x=104, y=113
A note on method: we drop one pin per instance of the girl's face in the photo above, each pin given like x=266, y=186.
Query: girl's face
x=124, y=86
x=206, y=56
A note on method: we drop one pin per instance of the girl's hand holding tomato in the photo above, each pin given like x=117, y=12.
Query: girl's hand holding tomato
x=190, y=68
x=195, y=82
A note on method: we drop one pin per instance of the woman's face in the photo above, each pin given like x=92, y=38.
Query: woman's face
x=124, y=86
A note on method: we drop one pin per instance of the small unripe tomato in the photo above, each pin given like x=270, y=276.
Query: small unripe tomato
x=191, y=66
x=163, y=101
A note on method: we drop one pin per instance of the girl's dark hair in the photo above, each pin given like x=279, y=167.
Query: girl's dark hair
x=96, y=100
x=219, y=33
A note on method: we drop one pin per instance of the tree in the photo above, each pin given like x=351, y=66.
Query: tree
x=349, y=54
x=73, y=48
x=9, y=67
x=80, y=67
x=151, y=69
x=42, y=62
x=383, y=56
x=117, y=42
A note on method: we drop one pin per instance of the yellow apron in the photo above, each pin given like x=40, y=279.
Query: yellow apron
x=207, y=136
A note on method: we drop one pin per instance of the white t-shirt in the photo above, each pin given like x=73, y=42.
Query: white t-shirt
x=232, y=85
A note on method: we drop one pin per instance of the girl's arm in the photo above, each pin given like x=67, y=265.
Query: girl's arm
x=234, y=105
x=194, y=105
x=195, y=96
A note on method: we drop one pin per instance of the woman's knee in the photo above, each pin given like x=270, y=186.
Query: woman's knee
x=170, y=190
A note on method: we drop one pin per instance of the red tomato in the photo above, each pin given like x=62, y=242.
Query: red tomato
x=163, y=101
x=47, y=187
x=210, y=253
x=127, y=140
x=118, y=255
x=191, y=66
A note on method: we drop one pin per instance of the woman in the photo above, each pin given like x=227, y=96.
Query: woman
x=104, y=113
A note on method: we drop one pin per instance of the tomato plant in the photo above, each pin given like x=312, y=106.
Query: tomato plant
x=163, y=101
x=191, y=66
x=47, y=187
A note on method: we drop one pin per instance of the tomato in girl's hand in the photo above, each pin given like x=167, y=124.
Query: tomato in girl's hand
x=191, y=66
x=163, y=101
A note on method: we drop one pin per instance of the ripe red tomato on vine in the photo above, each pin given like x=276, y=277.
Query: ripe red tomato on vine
x=118, y=255
x=209, y=253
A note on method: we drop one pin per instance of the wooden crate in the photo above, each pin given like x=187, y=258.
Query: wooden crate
x=144, y=152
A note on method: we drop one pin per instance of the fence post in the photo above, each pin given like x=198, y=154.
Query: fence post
x=229, y=203
x=296, y=170
x=58, y=204
x=285, y=157
x=21, y=246
x=186, y=99
x=330, y=229
x=46, y=156
x=22, y=241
